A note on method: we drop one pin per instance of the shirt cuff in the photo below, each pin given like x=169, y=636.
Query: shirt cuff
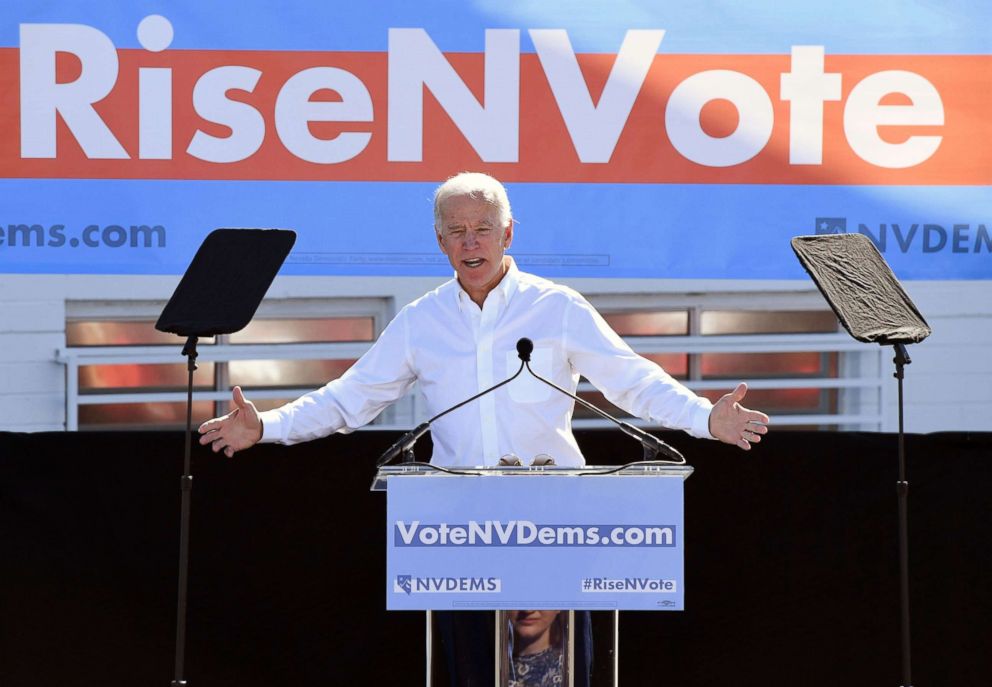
x=700, y=426
x=272, y=427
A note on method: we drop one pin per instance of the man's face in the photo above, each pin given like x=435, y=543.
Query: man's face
x=474, y=241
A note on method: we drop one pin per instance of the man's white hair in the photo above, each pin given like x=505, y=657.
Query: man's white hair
x=476, y=185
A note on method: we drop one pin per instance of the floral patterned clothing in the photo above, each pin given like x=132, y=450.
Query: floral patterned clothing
x=542, y=669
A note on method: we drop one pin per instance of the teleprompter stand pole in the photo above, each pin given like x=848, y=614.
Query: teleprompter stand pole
x=873, y=307
x=902, y=359
x=185, y=487
x=218, y=294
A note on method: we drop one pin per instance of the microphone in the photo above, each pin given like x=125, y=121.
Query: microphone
x=405, y=443
x=524, y=348
x=652, y=444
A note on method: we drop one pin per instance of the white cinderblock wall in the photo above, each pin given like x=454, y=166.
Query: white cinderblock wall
x=948, y=385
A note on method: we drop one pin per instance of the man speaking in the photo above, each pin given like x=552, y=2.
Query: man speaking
x=460, y=339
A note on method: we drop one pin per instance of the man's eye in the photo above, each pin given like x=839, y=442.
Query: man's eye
x=483, y=231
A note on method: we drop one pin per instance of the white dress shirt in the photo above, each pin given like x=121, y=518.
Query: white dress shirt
x=454, y=350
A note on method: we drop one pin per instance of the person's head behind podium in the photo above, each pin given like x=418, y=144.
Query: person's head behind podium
x=474, y=227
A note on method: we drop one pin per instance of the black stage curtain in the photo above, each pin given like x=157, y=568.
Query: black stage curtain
x=791, y=564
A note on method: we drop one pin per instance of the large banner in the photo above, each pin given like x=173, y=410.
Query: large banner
x=651, y=139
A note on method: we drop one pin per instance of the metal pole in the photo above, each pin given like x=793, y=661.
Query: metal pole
x=902, y=489
x=186, y=487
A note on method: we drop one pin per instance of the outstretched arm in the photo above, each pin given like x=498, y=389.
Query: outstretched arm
x=236, y=431
x=732, y=423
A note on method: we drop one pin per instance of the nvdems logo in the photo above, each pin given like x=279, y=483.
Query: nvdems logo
x=831, y=225
x=916, y=238
x=403, y=583
x=409, y=584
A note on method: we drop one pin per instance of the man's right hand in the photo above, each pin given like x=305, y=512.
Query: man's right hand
x=236, y=431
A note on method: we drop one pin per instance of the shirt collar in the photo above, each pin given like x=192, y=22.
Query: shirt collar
x=504, y=290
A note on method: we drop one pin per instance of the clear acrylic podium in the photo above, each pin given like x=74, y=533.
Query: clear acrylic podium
x=559, y=540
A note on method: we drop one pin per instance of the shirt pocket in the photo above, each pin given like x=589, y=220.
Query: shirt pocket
x=526, y=388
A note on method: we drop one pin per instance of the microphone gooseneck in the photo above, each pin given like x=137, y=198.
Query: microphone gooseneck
x=404, y=445
x=652, y=444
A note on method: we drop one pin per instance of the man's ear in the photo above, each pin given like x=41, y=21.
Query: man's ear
x=440, y=242
x=508, y=235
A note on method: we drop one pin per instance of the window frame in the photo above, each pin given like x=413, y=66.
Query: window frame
x=221, y=352
x=859, y=383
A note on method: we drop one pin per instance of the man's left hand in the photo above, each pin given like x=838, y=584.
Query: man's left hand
x=732, y=423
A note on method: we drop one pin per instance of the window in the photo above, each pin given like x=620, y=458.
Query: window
x=790, y=354
x=735, y=366
x=121, y=373
x=126, y=374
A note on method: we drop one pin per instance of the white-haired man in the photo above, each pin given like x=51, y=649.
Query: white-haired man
x=461, y=338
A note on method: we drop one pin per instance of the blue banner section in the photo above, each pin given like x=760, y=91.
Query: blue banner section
x=565, y=230
x=535, y=542
x=871, y=95
x=717, y=26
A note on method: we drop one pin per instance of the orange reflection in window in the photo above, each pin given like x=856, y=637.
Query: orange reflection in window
x=305, y=374
x=785, y=401
x=801, y=364
x=153, y=415
x=280, y=373
x=714, y=322
x=171, y=377
x=129, y=333
x=325, y=330
x=659, y=323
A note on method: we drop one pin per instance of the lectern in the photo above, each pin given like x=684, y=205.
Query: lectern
x=509, y=539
